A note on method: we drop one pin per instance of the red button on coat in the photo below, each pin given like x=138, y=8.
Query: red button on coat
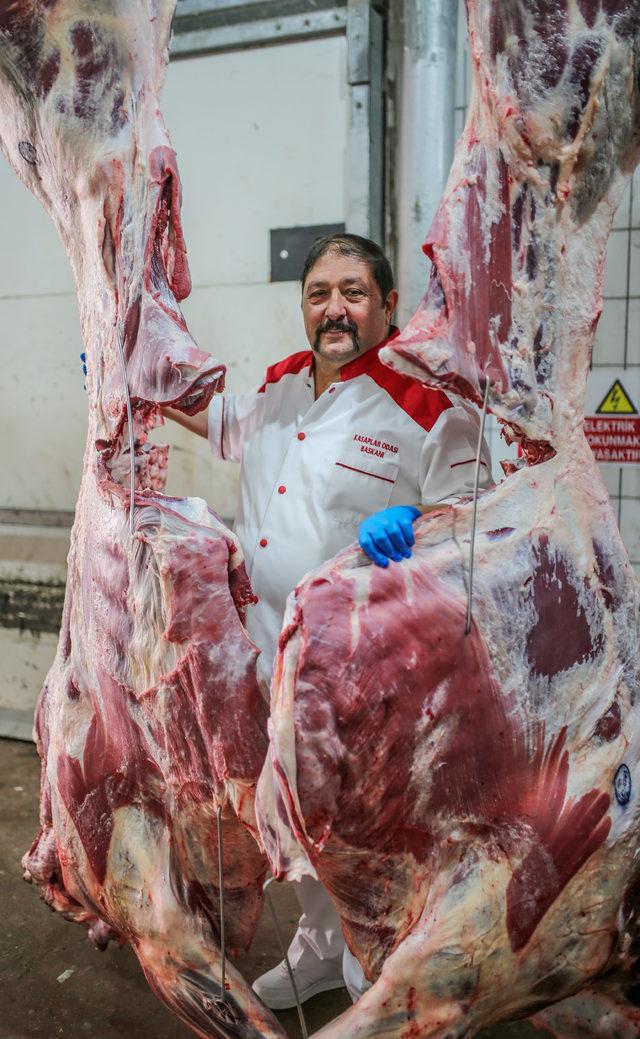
x=263, y=542
x=301, y=436
x=282, y=490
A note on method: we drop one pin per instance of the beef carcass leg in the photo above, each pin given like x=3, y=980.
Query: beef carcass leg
x=132, y=807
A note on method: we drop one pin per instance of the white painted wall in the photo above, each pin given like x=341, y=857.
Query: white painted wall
x=42, y=403
x=263, y=147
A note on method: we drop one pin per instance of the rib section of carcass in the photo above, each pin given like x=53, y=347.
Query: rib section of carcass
x=151, y=719
x=470, y=800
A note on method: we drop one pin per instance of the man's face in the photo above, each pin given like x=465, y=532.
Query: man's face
x=344, y=313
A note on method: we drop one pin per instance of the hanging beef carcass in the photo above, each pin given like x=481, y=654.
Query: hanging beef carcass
x=471, y=801
x=151, y=717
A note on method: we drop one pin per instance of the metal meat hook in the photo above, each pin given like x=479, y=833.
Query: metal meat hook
x=132, y=457
x=476, y=490
x=276, y=924
x=223, y=941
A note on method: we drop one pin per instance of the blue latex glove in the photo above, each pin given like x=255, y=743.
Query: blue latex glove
x=389, y=534
x=83, y=358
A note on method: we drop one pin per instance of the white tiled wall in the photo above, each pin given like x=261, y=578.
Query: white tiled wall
x=618, y=343
x=618, y=336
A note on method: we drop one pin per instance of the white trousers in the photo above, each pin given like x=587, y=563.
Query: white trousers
x=319, y=935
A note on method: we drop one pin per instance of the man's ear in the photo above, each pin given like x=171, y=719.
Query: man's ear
x=391, y=303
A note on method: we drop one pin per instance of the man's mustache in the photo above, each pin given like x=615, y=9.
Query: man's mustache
x=337, y=326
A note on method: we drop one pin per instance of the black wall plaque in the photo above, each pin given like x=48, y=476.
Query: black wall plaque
x=290, y=245
x=31, y=606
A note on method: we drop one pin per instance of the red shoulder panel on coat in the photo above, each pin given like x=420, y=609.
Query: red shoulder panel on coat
x=290, y=366
x=423, y=404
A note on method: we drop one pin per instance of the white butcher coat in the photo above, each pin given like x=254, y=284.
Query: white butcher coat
x=312, y=470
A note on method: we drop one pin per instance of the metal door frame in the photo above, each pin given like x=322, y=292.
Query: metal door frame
x=215, y=26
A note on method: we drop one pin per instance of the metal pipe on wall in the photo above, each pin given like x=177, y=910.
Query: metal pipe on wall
x=365, y=146
x=426, y=134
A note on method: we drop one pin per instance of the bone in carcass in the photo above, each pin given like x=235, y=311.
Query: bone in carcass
x=471, y=801
x=151, y=716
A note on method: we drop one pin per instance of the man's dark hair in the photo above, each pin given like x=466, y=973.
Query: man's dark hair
x=353, y=245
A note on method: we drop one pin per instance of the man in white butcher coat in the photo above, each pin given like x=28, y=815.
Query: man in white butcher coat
x=333, y=446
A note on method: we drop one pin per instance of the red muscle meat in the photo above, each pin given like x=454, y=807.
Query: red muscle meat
x=151, y=717
x=471, y=801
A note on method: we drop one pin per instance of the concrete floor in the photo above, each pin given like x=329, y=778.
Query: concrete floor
x=105, y=996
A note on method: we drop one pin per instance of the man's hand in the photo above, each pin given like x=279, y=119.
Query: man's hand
x=389, y=534
x=194, y=423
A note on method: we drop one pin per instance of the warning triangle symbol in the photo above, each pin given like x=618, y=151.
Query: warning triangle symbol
x=617, y=402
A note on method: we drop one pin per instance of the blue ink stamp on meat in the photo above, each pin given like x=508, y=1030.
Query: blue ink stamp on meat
x=622, y=785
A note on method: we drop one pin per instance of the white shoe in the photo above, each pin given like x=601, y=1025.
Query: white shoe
x=276, y=991
x=353, y=974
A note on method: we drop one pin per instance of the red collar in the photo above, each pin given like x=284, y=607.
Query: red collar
x=366, y=362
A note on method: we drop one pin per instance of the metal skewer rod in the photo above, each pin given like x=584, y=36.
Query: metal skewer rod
x=476, y=490
x=132, y=454
x=303, y=1023
x=223, y=943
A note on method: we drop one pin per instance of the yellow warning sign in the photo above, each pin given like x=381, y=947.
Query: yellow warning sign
x=617, y=402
